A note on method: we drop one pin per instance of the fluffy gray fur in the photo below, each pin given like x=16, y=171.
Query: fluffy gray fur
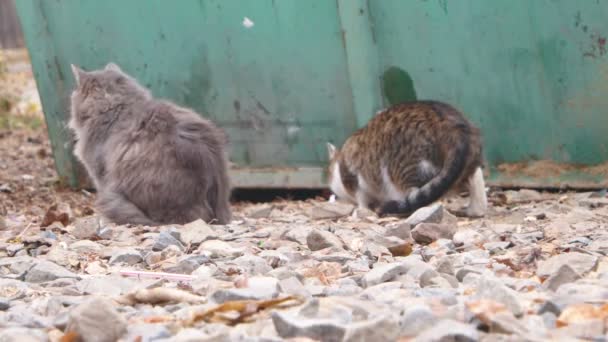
x=151, y=161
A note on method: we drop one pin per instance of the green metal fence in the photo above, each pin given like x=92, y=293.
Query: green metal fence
x=532, y=74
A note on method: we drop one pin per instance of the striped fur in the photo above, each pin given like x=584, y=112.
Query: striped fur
x=409, y=156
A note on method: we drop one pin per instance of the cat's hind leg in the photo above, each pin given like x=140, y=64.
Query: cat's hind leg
x=478, y=201
x=120, y=210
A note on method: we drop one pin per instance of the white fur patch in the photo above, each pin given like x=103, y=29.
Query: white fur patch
x=412, y=194
x=427, y=168
x=392, y=192
x=478, y=202
x=336, y=185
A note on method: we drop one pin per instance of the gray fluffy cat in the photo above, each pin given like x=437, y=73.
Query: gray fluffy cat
x=151, y=161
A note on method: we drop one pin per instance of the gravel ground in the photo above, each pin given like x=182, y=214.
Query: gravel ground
x=534, y=269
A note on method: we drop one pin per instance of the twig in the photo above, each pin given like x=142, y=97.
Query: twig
x=24, y=231
x=157, y=275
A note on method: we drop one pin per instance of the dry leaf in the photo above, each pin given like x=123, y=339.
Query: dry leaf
x=401, y=250
x=484, y=309
x=158, y=319
x=580, y=313
x=70, y=336
x=244, y=308
x=326, y=272
x=53, y=215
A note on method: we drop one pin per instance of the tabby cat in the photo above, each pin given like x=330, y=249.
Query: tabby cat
x=409, y=156
x=151, y=161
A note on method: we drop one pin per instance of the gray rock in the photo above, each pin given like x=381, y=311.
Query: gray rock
x=344, y=287
x=111, y=286
x=153, y=258
x=165, y=239
x=14, y=248
x=447, y=296
x=496, y=247
x=383, y=272
x=449, y=330
x=147, y=332
x=188, y=264
x=293, y=286
x=23, y=315
x=426, y=233
x=328, y=210
x=401, y=230
x=297, y=234
x=5, y=304
x=45, y=271
x=86, y=246
x=196, y=232
x=430, y=214
x=463, y=272
x=374, y=251
x=416, y=319
x=257, y=288
x=98, y=320
x=126, y=256
x=506, y=323
x=86, y=228
x=171, y=251
x=580, y=292
x=216, y=249
x=321, y=239
x=493, y=289
x=431, y=278
x=578, y=262
x=252, y=265
x=198, y=335
x=15, y=334
x=564, y=275
x=381, y=327
x=467, y=237
x=18, y=265
x=396, y=246
x=444, y=265
x=274, y=258
x=61, y=321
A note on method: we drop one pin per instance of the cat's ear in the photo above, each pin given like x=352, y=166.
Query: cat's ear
x=331, y=150
x=79, y=74
x=113, y=67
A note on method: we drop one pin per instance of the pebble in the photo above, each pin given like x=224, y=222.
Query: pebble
x=126, y=256
x=321, y=239
x=85, y=228
x=196, y=232
x=563, y=275
x=449, y=330
x=430, y=214
x=359, y=277
x=330, y=210
x=492, y=288
x=98, y=320
x=383, y=273
x=425, y=233
x=579, y=262
x=252, y=265
x=44, y=271
x=164, y=240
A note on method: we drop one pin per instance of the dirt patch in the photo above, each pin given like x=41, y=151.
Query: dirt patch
x=549, y=168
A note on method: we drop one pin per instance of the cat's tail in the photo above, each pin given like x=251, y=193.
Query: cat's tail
x=430, y=192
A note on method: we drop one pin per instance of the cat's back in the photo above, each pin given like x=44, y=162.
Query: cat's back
x=416, y=114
